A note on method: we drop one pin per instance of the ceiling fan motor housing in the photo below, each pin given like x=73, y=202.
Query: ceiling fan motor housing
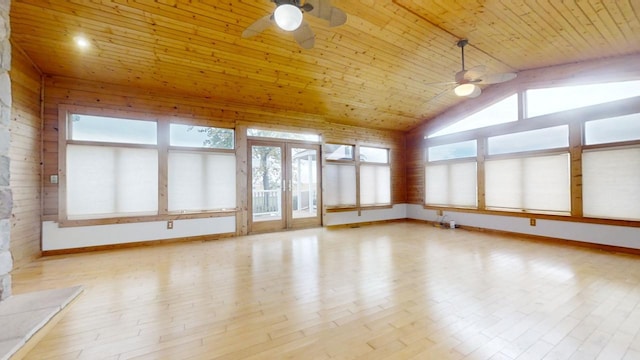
x=297, y=3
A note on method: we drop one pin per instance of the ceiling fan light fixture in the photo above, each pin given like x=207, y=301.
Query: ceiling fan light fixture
x=288, y=17
x=81, y=42
x=468, y=90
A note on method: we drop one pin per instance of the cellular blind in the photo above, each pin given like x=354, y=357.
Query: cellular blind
x=453, y=184
x=611, y=183
x=340, y=185
x=201, y=181
x=375, y=184
x=104, y=181
x=539, y=183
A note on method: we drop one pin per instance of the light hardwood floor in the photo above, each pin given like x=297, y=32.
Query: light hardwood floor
x=392, y=291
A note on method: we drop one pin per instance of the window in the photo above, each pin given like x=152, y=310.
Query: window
x=114, y=168
x=535, y=184
x=283, y=135
x=451, y=184
x=112, y=130
x=375, y=176
x=448, y=181
x=374, y=155
x=111, y=171
x=551, y=100
x=611, y=183
x=201, y=137
x=547, y=138
x=201, y=180
x=370, y=175
x=501, y=112
x=539, y=182
x=458, y=150
x=617, y=129
x=582, y=162
x=340, y=185
x=339, y=152
x=611, y=172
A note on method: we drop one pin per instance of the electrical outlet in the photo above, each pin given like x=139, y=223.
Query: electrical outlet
x=532, y=222
x=170, y=224
x=439, y=212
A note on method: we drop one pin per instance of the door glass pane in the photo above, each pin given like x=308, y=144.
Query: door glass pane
x=266, y=166
x=304, y=181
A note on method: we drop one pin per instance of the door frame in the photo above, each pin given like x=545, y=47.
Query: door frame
x=286, y=221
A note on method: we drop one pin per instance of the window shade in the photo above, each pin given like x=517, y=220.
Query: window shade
x=539, y=183
x=201, y=181
x=340, y=185
x=452, y=184
x=611, y=183
x=111, y=181
x=375, y=185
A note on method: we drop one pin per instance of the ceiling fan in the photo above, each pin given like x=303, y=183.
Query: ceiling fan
x=467, y=80
x=288, y=16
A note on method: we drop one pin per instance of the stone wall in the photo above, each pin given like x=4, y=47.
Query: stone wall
x=6, y=199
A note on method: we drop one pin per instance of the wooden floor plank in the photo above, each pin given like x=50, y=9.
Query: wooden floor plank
x=402, y=290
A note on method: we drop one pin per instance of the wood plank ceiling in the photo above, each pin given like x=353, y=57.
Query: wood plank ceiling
x=371, y=72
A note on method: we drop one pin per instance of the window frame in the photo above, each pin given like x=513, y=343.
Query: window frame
x=356, y=162
x=575, y=119
x=162, y=145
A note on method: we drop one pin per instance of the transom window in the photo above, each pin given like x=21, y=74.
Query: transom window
x=283, y=135
x=83, y=127
x=503, y=111
x=551, y=100
x=200, y=136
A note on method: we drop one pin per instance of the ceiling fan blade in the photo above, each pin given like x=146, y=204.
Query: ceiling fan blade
x=475, y=73
x=498, y=78
x=321, y=9
x=444, y=92
x=440, y=83
x=304, y=36
x=337, y=18
x=258, y=26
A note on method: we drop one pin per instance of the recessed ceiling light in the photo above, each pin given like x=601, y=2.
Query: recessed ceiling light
x=82, y=42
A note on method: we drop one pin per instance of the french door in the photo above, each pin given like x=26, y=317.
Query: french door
x=285, y=186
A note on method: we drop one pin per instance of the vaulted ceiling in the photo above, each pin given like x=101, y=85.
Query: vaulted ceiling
x=374, y=71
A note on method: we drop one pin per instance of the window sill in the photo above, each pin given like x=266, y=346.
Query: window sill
x=539, y=215
x=151, y=218
x=361, y=208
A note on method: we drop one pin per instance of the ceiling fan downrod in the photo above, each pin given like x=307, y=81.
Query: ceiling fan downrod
x=461, y=44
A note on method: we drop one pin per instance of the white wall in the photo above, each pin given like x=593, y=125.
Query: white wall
x=57, y=238
x=622, y=236
x=398, y=211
